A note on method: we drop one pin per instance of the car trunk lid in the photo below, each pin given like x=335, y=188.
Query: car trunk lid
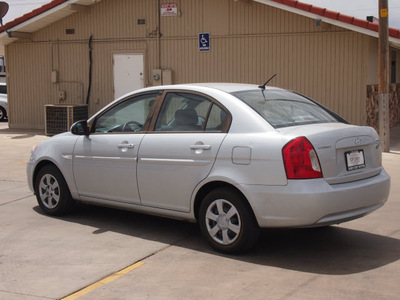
x=346, y=152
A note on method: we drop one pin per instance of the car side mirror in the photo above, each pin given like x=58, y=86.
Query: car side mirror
x=80, y=128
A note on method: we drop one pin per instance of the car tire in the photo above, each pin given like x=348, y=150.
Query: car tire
x=3, y=114
x=52, y=192
x=227, y=221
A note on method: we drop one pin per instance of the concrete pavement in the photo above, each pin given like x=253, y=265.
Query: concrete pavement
x=49, y=258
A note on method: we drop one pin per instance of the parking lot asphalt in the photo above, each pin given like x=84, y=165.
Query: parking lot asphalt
x=124, y=255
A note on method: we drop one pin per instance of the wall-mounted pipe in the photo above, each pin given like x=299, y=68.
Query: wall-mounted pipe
x=90, y=70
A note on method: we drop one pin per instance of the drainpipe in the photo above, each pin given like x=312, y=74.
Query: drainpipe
x=158, y=35
x=90, y=70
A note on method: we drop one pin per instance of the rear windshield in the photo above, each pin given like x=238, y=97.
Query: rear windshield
x=282, y=108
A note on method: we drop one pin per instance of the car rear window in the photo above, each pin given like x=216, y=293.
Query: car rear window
x=283, y=108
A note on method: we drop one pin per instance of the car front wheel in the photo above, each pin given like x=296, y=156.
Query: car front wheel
x=227, y=222
x=52, y=192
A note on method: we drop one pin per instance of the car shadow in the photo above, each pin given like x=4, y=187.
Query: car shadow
x=331, y=250
x=20, y=133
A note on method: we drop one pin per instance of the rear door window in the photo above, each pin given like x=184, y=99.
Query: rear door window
x=189, y=112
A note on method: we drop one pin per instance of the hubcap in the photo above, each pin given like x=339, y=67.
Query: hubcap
x=49, y=191
x=223, y=221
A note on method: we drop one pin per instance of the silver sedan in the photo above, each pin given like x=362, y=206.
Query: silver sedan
x=233, y=157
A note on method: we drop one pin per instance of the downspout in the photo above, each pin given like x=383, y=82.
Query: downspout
x=158, y=35
x=90, y=70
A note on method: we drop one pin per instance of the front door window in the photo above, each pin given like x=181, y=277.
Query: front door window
x=128, y=116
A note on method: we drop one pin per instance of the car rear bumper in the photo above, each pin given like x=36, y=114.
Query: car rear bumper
x=311, y=203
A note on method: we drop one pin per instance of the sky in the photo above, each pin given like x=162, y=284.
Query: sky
x=356, y=8
x=18, y=8
x=361, y=8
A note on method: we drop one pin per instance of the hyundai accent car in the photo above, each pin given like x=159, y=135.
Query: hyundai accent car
x=233, y=157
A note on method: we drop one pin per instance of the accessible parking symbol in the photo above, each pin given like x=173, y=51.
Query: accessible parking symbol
x=204, y=42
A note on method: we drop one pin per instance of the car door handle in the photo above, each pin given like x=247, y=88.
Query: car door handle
x=200, y=147
x=129, y=146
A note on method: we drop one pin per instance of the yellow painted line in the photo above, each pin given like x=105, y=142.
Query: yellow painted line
x=22, y=162
x=104, y=281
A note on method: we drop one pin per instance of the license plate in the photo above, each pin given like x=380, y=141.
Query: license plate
x=355, y=160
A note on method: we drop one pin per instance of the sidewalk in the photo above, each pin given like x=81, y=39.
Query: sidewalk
x=15, y=146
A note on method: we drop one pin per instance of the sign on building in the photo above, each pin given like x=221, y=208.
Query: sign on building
x=204, y=41
x=169, y=9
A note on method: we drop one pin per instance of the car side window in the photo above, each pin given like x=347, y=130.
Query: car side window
x=188, y=112
x=127, y=116
x=216, y=119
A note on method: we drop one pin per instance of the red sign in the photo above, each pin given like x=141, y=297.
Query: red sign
x=169, y=9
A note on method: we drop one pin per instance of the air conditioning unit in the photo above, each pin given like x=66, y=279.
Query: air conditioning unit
x=60, y=117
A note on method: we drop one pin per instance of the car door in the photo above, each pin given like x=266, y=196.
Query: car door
x=181, y=150
x=104, y=163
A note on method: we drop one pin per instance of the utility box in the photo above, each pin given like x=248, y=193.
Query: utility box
x=157, y=77
x=60, y=117
x=161, y=77
x=166, y=77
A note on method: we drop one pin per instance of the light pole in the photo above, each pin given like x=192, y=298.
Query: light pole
x=383, y=100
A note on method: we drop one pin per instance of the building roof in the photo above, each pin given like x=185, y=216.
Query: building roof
x=330, y=16
x=41, y=17
x=58, y=9
x=32, y=14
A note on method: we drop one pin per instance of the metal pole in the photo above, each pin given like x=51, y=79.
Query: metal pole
x=383, y=100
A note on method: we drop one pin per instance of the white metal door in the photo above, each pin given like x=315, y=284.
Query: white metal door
x=128, y=73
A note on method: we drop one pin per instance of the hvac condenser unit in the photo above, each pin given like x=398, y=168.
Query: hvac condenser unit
x=60, y=117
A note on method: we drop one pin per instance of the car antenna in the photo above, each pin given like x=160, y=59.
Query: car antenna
x=263, y=86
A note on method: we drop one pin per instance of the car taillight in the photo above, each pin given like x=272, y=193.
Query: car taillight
x=301, y=160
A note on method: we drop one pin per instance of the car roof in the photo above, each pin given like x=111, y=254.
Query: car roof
x=222, y=86
x=227, y=87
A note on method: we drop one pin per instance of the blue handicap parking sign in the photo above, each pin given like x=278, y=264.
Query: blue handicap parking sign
x=204, y=41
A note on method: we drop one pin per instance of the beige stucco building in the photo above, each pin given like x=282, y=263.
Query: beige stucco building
x=74, y=52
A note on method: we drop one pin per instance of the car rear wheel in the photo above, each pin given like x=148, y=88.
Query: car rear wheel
x=52, y=192
x=3, y=114
x=227, y=222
